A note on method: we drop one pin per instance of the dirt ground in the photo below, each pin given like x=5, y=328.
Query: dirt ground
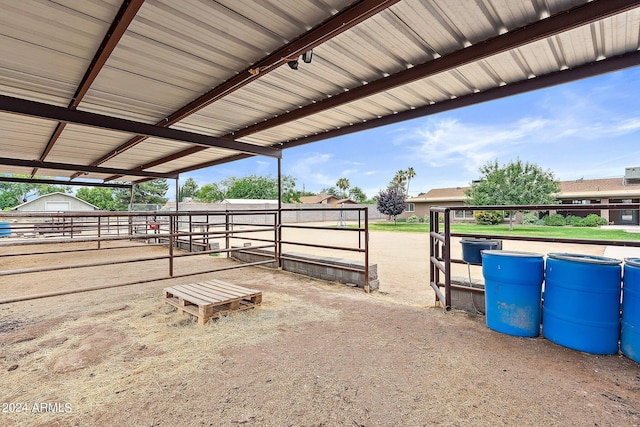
x=313, y=354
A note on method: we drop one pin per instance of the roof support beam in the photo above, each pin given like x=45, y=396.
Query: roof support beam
x=337, y=24
x=90, y=169
x=59, y=182
x=47, y=111
x=559, y=77
x=573, y=18
x=593, y=69
x=123, y=19
x=163, y=160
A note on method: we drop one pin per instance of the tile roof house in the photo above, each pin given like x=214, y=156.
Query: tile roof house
x=581, y=191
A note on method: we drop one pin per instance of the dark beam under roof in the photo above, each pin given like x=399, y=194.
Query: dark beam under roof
x=593, y=69
x=62, y=114
x=75, y=167
x=553, y=25
x=59, y=182
x=121, y=22
x=564, y=21
x=337, y=24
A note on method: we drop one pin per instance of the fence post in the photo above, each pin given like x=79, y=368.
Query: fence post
x=226, y=234
x=366, y=251
x=171, y=243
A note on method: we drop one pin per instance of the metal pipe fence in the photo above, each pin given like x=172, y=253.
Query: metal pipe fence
x=440, y=235
x=183, y=234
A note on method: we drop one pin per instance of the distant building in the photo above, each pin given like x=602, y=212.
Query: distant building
x=579, y=192
x=56, y=202
x=326, y=199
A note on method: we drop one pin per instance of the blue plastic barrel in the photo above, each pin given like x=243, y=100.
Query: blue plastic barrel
x=5, y=229
x=581, y=307
x=630, y=333
x=512, y=290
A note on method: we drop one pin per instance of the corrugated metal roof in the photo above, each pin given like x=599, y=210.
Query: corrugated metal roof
x=219, y=68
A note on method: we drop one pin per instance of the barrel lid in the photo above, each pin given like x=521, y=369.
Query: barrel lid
x=512, y=253
x=635, y=262
x=593, y=259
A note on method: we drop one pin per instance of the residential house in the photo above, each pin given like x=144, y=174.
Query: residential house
x=55, y=202
x=582, y=191
x=326, y=199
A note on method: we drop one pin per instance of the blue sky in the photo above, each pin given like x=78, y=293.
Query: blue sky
x=586, y=129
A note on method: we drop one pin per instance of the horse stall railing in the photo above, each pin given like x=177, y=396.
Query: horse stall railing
x=337, y=252
x=79, y=241
x=359, y=217
x=440, y=240
x=35, y=245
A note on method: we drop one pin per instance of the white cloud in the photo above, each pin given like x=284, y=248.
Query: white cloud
x=348, y=172
x=447, y=142
x=311, y=170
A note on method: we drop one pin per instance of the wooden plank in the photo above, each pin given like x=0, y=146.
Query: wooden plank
x=211, y=299
x=216, y=293
x=233, y=287
x=199, y=293
x=178, y=294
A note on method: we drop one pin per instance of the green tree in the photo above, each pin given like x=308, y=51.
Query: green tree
x=210, y=193
x=150, y=192
x=332, y=191
x=343, y=184
x=401, y=180
x=516, y=183
x=398, y=181
x=51, y=188
x=357, y=195
x=7, y=200
x=98, y=196
x=188, y=189
x=260, y=187
x=15, y=193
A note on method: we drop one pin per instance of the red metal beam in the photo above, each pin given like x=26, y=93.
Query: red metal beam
x=573, y=18
x=162, y=160
x=631, y=59
x=60, y=182
x=85, y=118
x=121, y=22
x=74, y=167
x=337, y=24
x=556, y=24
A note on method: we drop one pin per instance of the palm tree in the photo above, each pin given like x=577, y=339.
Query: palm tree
x=343, y=184
x=398, y=180
x=410, y=174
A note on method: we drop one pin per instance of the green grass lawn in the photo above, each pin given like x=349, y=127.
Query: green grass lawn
x=566, y=232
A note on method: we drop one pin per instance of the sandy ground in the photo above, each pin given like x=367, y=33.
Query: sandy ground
x=313, y=354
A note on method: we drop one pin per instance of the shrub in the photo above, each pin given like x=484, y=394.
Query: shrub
x=576, y=221
x=488, y=217
x=426, y=219
x=555, y=220
x=593, y=220
x=413, y=219
x=530, y=218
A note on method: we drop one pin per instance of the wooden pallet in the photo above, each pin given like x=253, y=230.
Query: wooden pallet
x=211, y=299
